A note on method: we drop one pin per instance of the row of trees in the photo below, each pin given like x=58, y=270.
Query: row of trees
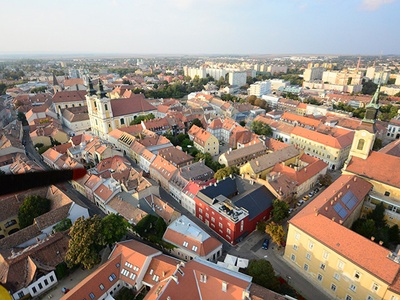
x=139, y=119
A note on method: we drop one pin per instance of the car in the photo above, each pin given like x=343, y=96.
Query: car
x=310, y=194
x=300, y=203
x=290, y=210
x=316, y=190
x=265, y=244
x=306, y=197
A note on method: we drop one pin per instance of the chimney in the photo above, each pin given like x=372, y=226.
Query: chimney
x=372, y=238
x=340, y=222
x=381, y=243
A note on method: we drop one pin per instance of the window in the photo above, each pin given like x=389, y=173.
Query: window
x=207, y=216
x=101, y=286
x=325, y=255
x=297, y=236
x=305, y=267
x=200, y=210
x=51, y=278
x=105, y=107
x=46, y=282
x=352, y=287
x=203, y=278
x=91, y=295
x=224, y=286
x=333, y=287
x=320, y=277
x=133, y=276
x=220, y=225
x=360, y=144
x=155, y=278
x=295, y=247
x=122, y=121
x=357, y=275
x=311, y=245
x=34, y=290
x=336, y=276
x=185, y=244
x=372, y=298
x=135, y=268
x=213, y=219
x=293, y=257
x=194, y=248
x=393, y=298
x=21, y=294
x=308, y=256
x=127, y=264
x=340, y=265
x=40, y=285
x=112, y=277
x=387, y=193
x=322, y=266
x=375, y=287
x=348, y=297
x=228, y=231
x=124, y=272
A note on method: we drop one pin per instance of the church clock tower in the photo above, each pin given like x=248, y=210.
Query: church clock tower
x=364, y=136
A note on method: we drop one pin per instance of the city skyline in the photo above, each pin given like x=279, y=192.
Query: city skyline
x=357, y=27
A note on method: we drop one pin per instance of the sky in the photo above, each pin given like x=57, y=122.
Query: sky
x=193, y=27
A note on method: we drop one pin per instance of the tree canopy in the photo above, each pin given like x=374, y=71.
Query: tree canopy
x=276, y=232
x=114, y=228
x=139, y=119
x=196, y=122
x=225, y=172
x=263, y=274
x=280, y=210
x=208, y=160
x=33, y=206
x=261, y=128
x=86, y=242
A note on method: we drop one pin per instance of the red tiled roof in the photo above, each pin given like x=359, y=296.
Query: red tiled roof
x=68, y=96
x=135, y=104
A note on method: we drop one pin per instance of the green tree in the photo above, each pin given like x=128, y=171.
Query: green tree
x=242, y=123
x=251, y=99
x=377, y=144
x=378, y=215
x=261, y=128
x=139, y=119
x=263, y=274
x=85, y=243
x=276, y=232
x=40, y=89
x=3, y=88
x=365, y=227
x=63, y=225
x=260, y=103
x=32, y=207
x=393, y=234
x=369, y=88
x=196, y=122
x=280, y=210
x=325, y=180
x=21, y=117
x=114, y=228
x=225, y=172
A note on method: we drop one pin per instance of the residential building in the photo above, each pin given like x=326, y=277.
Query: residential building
x=314, y=73
x=203, y=140
x=237, y=78
x=242, y=155
x=393, y=129
x=162, y=171
x=259, y=88
x=76, y=119
x=232, y=207
x=67, y=99
x=191, y=241
x=136, y=266
x=176, y=156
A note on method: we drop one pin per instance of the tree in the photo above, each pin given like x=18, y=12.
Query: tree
x=369, y=88
x=263, y=274
x=251, y=99
x=114, y=228
x=196, y=122
x=139, y=119
x=260, y=103
x=242, y=123
x=21, y=117
x=225, y=172
x=3, y=88
x=276, y=232
x=63, y=225
x=377, y=144
x=365, y=227
x=378, y=215
x=280, y=210
x=261, y=128
x=85, y=243
x=33, y=206
x=325, y=180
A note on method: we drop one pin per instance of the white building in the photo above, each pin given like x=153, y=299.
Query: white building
x=191, y=241
x=311, y=74
x=237, y=78
x=277, y=83
x=259, y=88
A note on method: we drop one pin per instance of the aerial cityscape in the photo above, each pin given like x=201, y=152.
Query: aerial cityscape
x=228, y=155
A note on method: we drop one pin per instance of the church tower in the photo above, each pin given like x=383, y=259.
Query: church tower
x=364, y=136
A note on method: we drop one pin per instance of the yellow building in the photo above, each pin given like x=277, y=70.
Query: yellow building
x=203, y=140
x=380, y=168
x=341, y=262
x=107, y=114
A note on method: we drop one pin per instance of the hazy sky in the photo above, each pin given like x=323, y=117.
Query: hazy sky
x=200, y=26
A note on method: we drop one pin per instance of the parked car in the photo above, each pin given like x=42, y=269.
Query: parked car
x=306, y=197
x=316, y=190
x=290, y=210
x=310, y=194
x=300, y=203
x=265, y=244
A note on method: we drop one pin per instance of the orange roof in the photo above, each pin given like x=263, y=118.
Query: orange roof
x=162, y=266
x=69, y=96
x=316, y=221
x=215, y=124
x=163, y=167
x=338, y=138
x=300, y=119
x=378, y=166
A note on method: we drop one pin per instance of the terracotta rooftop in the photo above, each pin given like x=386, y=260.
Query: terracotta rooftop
x=336, y=138
x=163, y=167
x=175, y=156
x=135, y=104
x=313, y=220
x=378, y=166
x=392, y=149
x=69, y=96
